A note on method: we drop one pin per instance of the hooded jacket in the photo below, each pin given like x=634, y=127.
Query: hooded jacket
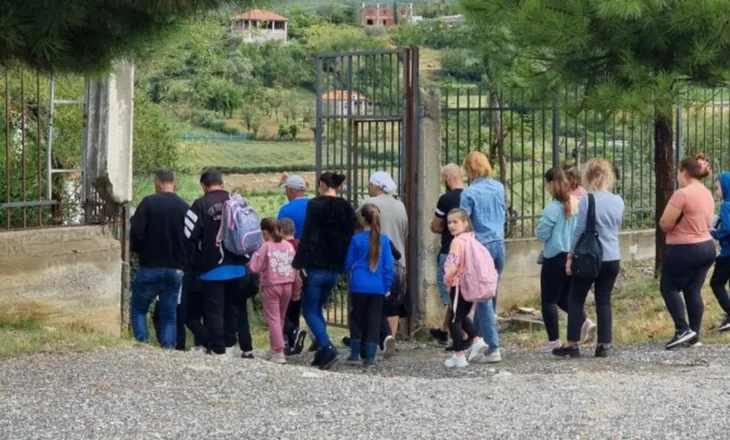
x=721, y=232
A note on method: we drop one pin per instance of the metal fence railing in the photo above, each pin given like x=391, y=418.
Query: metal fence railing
x=524, y=137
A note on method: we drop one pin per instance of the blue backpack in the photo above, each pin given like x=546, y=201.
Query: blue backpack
x=240, y=231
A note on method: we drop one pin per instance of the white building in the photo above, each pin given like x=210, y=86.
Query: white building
x=259, y=26
x=340, y=103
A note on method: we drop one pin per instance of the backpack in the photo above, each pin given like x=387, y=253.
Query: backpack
x=240, y=231
x=478, y=281
x=588, y=254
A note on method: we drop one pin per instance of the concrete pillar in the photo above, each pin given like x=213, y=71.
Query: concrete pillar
x=429, y=189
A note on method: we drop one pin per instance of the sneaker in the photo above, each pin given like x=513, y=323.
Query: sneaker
x=550, y=346
x=439, y=335
x=602, y=350
x=456, y=361
x=564, y=351
x=494, y=357
x=299, y=342
x=278, y=358
x=354, y=361
x=477, y=350
x=346, y=341
x=680, y=338
x=694, y=342
x=328, y=358
x=229, y=352
x=247, y=355
x=313, y=346
x=588, y=332
x=198, y=350
x=388, y=347
x=725, y=326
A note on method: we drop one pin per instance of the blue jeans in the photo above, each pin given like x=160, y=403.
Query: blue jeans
x=440, y=275
x=149, y=284
x=316, y=294
x=484, y=319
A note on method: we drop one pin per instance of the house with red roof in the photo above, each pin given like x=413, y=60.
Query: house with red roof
x=259, y=26
x=343, y=103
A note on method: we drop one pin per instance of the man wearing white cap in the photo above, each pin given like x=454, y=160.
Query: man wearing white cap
x=394, y=224
x=296, y=208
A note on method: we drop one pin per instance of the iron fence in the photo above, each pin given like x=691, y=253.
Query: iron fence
x=524, y=137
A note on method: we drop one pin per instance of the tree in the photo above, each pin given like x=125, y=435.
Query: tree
x=628, y=55
x=86, y=36
x=224, y=97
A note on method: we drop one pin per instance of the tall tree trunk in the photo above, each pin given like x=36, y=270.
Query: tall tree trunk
x=664, y=174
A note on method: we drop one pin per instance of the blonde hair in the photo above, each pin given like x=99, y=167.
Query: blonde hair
x=463, y=216
x=477, y=165
x=598, y=175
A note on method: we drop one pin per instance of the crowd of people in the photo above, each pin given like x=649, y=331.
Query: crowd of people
x=200, y=284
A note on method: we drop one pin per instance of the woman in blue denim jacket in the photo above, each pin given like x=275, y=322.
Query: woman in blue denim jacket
x=484, y=201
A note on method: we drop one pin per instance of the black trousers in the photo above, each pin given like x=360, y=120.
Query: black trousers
x=366, y=317
x=603, y=286
x=292, y=320
x=242, y=326
x=685, y=269
x=190, y=305
x=459, y=323
x=719, y=280
x=554, y=293
x=221, y=300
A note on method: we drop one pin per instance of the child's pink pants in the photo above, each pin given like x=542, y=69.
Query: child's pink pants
x=276, y=300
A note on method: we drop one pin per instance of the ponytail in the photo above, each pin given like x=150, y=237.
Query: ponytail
x=272, y=226
x=370, y=217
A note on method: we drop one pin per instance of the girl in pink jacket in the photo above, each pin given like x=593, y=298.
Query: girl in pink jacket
x=279, y=282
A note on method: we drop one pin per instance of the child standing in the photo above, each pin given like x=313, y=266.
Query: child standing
x=273, y=261
x=370, y=265
x=721, y=233
x=459, y=225
x=294, y=336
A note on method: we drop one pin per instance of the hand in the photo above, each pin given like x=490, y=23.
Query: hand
x=568, y=264
x=387, y=294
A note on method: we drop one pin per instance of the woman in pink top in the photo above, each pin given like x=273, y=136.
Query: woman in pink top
x=279, y=282
x=690, y=250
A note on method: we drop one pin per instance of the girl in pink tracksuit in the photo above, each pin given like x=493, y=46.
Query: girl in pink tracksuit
x=279, y=282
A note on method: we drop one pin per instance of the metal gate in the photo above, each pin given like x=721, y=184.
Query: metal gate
x=366, y=114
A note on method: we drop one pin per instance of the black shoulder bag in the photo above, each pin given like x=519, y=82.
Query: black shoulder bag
x=588, y=254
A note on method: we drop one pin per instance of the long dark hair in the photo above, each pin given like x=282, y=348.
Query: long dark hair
x=370, y=216
x=271, y=225
x=561, y=188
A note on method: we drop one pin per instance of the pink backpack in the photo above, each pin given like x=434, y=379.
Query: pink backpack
x=478, y=279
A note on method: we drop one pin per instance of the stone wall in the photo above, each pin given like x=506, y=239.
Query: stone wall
x=63, y=276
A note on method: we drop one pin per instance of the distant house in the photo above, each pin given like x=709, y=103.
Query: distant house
x=342, y=103
x=258, y=26
x=385, y=16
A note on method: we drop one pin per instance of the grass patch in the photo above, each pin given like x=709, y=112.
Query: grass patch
x=247, y=156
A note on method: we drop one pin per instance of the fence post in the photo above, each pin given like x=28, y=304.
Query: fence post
x=678, y=141
x=556, y=133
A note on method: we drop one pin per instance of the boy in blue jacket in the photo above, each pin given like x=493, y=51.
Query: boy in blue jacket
x=721, y=233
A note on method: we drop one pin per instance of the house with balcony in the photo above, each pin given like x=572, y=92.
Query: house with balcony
x=378, y=15
x=259, y=26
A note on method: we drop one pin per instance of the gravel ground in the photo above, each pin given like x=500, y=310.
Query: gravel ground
x=641, y=392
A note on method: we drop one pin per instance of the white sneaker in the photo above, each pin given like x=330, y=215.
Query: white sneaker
x=229, y=352
x=588, y=332
x=494, y=357
x=477, y=350
x=388, y=347
x=197, y=350
x=278, y=358
x=456, y=362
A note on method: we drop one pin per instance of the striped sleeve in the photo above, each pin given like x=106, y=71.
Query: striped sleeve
x=192, y=223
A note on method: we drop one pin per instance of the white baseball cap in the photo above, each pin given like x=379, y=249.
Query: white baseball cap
x=295, y=182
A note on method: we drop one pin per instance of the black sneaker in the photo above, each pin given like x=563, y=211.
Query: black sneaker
x=328, y=357
x=346, y=341
x=563, y=351
x=725, y=326
x=603, y=350
x=680, y=338
x=247, y=355
x=313, y=346
x=299, y=342
x=439, y=335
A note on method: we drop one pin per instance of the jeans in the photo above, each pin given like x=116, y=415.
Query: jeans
x=316, y=294
x=719, y=280
x=276, y=300
x=148, y=284
x=459, y=323
x=684, y=270
x=484, y=319
x=603, y=286
x=440, y=274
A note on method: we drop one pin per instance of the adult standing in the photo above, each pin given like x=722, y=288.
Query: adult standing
x=328, y=229
x=484, y=201
x=156, y=235
x=394, y=224
x=296, y=210
x=598, y=179
x=687, y=220
x=454, y=181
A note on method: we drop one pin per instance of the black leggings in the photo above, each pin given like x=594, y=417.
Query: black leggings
x=459, y=322
x=684, y=270
x=367, y=312
x=719, y=280
x=554, y=293
x=603, y=286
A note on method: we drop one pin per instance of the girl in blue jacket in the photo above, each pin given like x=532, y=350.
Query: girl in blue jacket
x=370, y=265
x=721, y=233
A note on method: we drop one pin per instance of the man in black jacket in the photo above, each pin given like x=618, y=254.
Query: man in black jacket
x=221, y=272
x=156, y=235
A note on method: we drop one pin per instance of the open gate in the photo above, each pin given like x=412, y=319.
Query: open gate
x=366, y=121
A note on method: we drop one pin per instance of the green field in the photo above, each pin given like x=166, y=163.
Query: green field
x=252, y=156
